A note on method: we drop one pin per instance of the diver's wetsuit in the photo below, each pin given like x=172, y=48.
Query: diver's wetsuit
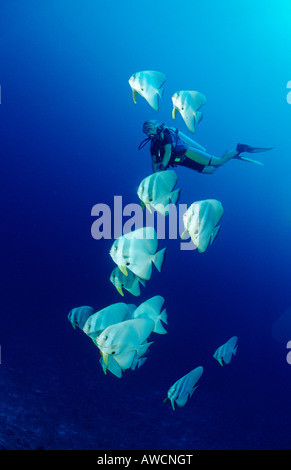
x=199, y=158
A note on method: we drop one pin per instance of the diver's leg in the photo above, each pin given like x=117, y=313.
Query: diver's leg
x=219, y=161
x=209, y=169
x=198, y=155
x=205, y=158
x=210, y=162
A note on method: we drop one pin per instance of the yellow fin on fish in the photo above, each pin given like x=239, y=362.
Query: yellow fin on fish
x=123, y=270
x=119, y=290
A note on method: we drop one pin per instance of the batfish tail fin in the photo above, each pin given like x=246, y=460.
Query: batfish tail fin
x=143, y=349
x=141, y=362
x=214, y=234
x=198, y=117
x=137, y=363
x=159, y=329
x=135, y=289
x=134, y=362
x=160, y=91
x=142, y=281
x=159, y=258
x=175, y=195
x=191, y=393
x=164, y=316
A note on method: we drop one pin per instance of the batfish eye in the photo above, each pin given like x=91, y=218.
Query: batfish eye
x=127, y=264
x=113, y=352
x=105, y=337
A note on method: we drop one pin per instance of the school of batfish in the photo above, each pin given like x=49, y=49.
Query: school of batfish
x=122, y=332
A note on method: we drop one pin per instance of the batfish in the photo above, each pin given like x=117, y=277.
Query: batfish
x=225, y=352
x=110, y=315
x=188, y=103
x=201, y=221
x=184, y=388
x=129, y=282
x=157, y=190
x=136, y=251
x=149, y=84
x=125, y=340
x=79, y=315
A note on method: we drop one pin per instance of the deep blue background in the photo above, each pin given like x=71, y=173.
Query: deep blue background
x=69, y=136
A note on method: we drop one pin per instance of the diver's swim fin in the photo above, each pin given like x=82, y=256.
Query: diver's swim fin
x=249, y=160
x=247, y=148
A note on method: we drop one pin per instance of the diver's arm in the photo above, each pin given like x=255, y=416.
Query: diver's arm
x=167, y=155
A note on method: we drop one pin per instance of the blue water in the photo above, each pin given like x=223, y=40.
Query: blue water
x=69, y=138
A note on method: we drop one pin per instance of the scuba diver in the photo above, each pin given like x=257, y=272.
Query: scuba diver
x=170, y=147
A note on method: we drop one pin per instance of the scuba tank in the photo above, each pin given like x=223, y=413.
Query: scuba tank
x=187, y=140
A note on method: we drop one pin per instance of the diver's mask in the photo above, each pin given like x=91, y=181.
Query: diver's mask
x=159, y=130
